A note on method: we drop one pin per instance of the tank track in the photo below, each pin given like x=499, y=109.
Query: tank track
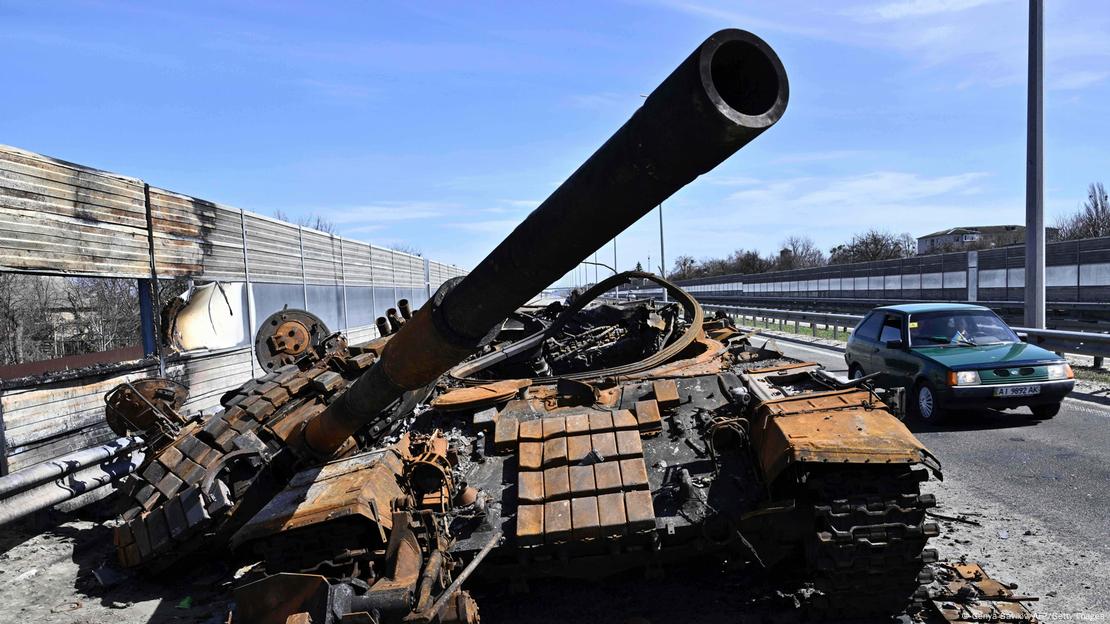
x=186, y=493
x=866, y=556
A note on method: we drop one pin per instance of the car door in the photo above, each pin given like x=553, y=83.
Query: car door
x=893, y=358
x=864, y=343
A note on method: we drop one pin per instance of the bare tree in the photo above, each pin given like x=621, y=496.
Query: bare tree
x=684, y=267
x=748, y=261
x=315, y=222
x=1091, y=220
x=873, y=245
x=412, y=250
x=26, y=324
x=104, y=312
x=800, y=252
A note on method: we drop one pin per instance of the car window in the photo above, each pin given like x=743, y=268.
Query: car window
x=868, y=328
x=892, y=328
x=959, y=328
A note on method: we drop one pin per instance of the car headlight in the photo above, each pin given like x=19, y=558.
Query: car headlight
x=963, y=378
x=1059, y=371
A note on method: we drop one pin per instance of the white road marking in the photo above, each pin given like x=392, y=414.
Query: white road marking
x=1088, y=406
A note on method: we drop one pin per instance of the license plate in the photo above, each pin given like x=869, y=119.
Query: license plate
x=1017, y=391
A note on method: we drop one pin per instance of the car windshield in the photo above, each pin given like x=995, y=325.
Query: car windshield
x=959, y=328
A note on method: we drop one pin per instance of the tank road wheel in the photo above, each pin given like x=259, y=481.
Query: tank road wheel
x=866, y=554
x=923, y=404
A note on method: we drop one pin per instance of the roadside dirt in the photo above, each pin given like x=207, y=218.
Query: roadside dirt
x=1070, y=583
x=51, y=577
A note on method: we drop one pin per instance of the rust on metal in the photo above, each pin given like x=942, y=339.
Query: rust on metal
x=477, y=397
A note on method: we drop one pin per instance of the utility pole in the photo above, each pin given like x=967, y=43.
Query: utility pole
x=615, y=269
x=662, y=256
x=1034, y=173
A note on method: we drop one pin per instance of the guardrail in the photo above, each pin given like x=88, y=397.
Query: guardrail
x=1060, y=341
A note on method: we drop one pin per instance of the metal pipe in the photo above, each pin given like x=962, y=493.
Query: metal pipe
x=441, y=602
x=725, y=94
x=46, y=471
x=67, y=487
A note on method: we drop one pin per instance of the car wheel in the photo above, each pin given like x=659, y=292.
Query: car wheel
x=1044, y=412
x=855, y=371
x=925, y=405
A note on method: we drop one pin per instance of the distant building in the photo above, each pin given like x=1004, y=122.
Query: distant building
x=975, y=237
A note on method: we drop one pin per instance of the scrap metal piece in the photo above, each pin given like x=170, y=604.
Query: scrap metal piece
x=963, y=593
x=208, y=317
x=149, y=407
x=287, y=335
x=480, y=397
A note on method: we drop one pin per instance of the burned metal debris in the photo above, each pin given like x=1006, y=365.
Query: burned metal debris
x=368, y=482
x=286, y=335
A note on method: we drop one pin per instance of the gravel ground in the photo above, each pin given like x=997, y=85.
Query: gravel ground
x=47, y=577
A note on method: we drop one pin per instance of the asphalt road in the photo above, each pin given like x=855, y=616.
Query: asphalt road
x=1039, y=491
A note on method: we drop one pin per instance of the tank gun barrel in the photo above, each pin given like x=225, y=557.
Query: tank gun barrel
x=726, y=93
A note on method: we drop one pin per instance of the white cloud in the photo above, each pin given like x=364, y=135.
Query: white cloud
x=959, y=44
x=387, y=211
x=819, y=156
x=597, y=101
x=490, y=226
x=832, y=208
x=918, y=8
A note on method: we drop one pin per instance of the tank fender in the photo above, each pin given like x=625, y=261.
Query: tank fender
x=806, y=431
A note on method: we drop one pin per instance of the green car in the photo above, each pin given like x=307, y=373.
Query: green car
x=953, y=357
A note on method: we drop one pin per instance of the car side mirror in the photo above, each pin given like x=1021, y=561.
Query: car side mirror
x=895, y=344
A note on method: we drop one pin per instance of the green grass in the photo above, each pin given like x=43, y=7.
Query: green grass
x=803, y=329
x=1089, y=373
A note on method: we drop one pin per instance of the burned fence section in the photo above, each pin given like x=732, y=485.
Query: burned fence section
x=88, y=261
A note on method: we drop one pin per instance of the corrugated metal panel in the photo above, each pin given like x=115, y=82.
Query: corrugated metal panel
x=356, y=263
x=381, y=261
x=321, y=258
x=194, y=237
x=61, y=217
x=273, y=250
x=210, y=376
x=410, y=270
x=358, y=335
x=50, y=420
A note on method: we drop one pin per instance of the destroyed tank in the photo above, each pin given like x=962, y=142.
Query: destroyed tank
x=483, y=435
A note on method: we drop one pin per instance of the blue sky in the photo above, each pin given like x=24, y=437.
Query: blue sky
x=441, y=125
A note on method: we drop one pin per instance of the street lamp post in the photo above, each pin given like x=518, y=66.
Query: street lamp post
x=662, y=257
x=1034, y=173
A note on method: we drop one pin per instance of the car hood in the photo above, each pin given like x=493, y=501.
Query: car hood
x=986, y=356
